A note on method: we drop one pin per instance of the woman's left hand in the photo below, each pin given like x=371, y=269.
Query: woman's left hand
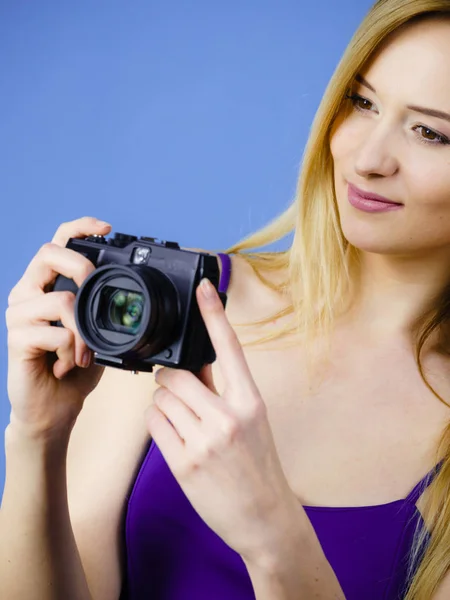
x=220, y=448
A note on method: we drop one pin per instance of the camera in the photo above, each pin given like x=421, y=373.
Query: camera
x=138, y=308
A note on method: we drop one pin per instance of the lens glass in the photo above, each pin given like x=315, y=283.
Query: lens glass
x=124, y=309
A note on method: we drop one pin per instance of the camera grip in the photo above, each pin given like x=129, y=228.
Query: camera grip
x=63, y=284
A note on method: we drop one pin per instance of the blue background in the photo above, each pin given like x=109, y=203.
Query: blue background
x=180, y=120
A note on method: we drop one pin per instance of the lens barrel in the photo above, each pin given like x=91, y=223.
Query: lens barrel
x=127, y=311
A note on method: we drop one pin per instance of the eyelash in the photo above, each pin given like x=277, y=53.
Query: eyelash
x=443, y=140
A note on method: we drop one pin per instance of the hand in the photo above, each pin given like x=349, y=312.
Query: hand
x=220, y=448
x=47, y=395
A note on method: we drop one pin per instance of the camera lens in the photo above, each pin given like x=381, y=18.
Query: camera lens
x=124, y=309
x=129, y=312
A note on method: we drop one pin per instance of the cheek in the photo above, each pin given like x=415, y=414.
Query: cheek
x=342, y=140
x=427, y=183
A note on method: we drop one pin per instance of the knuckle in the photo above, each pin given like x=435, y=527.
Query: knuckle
x=61, y=234
x=12, y=296
x=256, y=410
x=85, y=268
x=8, y=317
x=12, y=339
x=67, y=337
x=18, y=339
x=81, y=226
x=204, y=452
x=184, y=469
x=90, y=220
x=46, y=249
x=229, y=428
x=20, y=292
x=74, y=228
x=67, y=300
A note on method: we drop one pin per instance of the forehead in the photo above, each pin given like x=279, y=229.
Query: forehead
x=414, y=59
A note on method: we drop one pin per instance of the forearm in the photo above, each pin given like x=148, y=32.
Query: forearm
x=295, y=567
x=39, y=558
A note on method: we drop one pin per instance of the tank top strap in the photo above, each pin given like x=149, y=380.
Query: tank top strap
x=419, y=489
x=226, y=272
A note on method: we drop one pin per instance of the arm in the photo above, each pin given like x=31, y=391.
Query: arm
x=294, y=569
x=38, y=554
x=99, y=473
x=62, y=506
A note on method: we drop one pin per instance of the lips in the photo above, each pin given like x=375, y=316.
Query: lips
x=370, y=195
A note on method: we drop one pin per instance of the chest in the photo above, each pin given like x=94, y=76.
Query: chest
x=363, y=431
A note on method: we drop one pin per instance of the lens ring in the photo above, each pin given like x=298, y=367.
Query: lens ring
x=159, y=315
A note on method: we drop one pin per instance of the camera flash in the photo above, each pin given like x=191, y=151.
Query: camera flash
x=141, y=255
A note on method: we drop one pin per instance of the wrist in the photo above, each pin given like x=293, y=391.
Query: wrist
x=39, y=436
x=294, y=564
x=285, y=536
x=26, y=441
x=36, y=471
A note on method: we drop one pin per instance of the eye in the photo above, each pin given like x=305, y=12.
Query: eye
x=435, y=139
x=355, y=98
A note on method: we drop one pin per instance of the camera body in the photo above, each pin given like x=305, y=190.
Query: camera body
x=138, y=308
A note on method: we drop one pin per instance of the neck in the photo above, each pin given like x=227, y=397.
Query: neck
x=392, y=293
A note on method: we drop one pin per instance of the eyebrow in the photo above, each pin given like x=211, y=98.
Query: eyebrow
x=431, y=112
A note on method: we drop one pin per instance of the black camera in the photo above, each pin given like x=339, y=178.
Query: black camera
x=138, y=308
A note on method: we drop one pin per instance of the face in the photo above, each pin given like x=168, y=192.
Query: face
x=381, y=146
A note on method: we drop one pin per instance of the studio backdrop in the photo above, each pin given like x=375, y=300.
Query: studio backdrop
x=184, y=121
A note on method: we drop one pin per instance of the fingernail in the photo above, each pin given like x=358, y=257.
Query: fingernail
x=86, y=359
x=102, y=224
x=207, y=288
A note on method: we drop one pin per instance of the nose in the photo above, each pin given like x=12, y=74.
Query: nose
x=375, y=154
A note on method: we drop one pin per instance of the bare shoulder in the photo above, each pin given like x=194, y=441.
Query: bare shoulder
x=245, y=292
x=249, y=298
x=107, y=446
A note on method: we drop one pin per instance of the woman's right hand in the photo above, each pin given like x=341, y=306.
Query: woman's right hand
x=47, y=395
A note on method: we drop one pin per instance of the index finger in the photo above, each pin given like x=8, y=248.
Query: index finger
x=79, y=228
x=229, y=352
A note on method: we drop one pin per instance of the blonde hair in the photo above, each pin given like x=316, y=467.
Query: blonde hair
x=320, y=265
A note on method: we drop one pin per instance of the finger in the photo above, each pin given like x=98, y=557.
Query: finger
x=206, y=377
x=230, y=355
x=79, y=228
x=164, y=435
x=52, y=260
x=186, y=423
x=29, y=343
x=186, y=386
x=49, y=262
x=54, y=306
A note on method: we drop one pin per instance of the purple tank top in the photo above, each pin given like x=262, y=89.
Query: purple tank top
x=171, y=553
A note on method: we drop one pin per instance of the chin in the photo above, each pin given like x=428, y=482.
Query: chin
x=372, y=239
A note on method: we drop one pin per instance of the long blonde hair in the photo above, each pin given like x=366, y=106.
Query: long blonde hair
x=320, y=264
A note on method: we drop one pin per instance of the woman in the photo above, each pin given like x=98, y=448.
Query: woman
x=312, y=460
